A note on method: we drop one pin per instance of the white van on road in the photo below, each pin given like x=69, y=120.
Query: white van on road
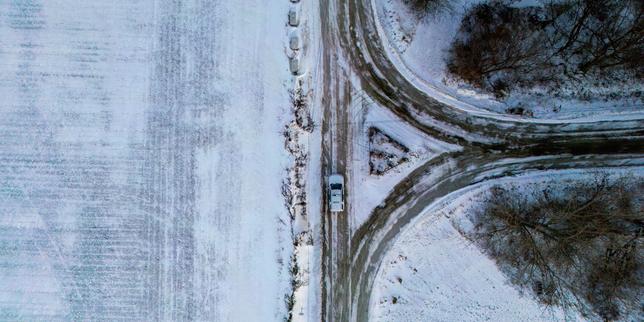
x=336, y=193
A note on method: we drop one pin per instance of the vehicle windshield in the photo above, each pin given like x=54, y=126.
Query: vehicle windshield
x=336, y=186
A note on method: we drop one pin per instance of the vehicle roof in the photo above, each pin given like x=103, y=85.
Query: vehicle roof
x=336, y=178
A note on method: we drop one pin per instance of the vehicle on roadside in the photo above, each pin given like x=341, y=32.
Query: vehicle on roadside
x=293, y=17
x=294, y=41
x=294, y=65
x=336, y=193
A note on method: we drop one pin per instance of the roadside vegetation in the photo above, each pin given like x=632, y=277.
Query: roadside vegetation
x=385, y=152
x=423, y=8
x=578, y=247
x=581, y=49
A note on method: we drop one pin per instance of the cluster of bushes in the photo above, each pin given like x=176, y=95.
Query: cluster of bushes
x=501, y=47
x=423, y=8
x=577, y=247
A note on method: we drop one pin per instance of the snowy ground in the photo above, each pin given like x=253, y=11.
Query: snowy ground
x=133, y=185
x=433, y=273
x=418, y=49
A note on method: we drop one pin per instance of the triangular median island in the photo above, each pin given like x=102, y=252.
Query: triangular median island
x=385, y=153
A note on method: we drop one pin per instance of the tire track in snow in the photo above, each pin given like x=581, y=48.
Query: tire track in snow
x=170, y=159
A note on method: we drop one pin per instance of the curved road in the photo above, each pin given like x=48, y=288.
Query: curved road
x=422, y=188
x=359, y=38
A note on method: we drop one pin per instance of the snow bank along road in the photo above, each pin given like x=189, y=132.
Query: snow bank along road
x=352, y=47
x=133, y=181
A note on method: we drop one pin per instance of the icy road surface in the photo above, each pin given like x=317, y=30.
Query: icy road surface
x=141, y=160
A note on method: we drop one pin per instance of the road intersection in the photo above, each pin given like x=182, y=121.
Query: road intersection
x=493, y=146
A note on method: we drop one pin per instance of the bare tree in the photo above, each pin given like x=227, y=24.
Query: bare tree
x=580, y=247
x=497, y=44
x=600, y=34
x=500, y=47
x=423, y=8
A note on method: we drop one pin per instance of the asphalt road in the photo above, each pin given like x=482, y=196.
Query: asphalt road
x=336, y=153
x=351, y=261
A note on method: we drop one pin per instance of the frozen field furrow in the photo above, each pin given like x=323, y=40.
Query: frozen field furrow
x=68, y=172
x=141, y=160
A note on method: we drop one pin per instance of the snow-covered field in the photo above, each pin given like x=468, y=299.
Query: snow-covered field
x=418, y=48
x=433, y=273
x=133, y=185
